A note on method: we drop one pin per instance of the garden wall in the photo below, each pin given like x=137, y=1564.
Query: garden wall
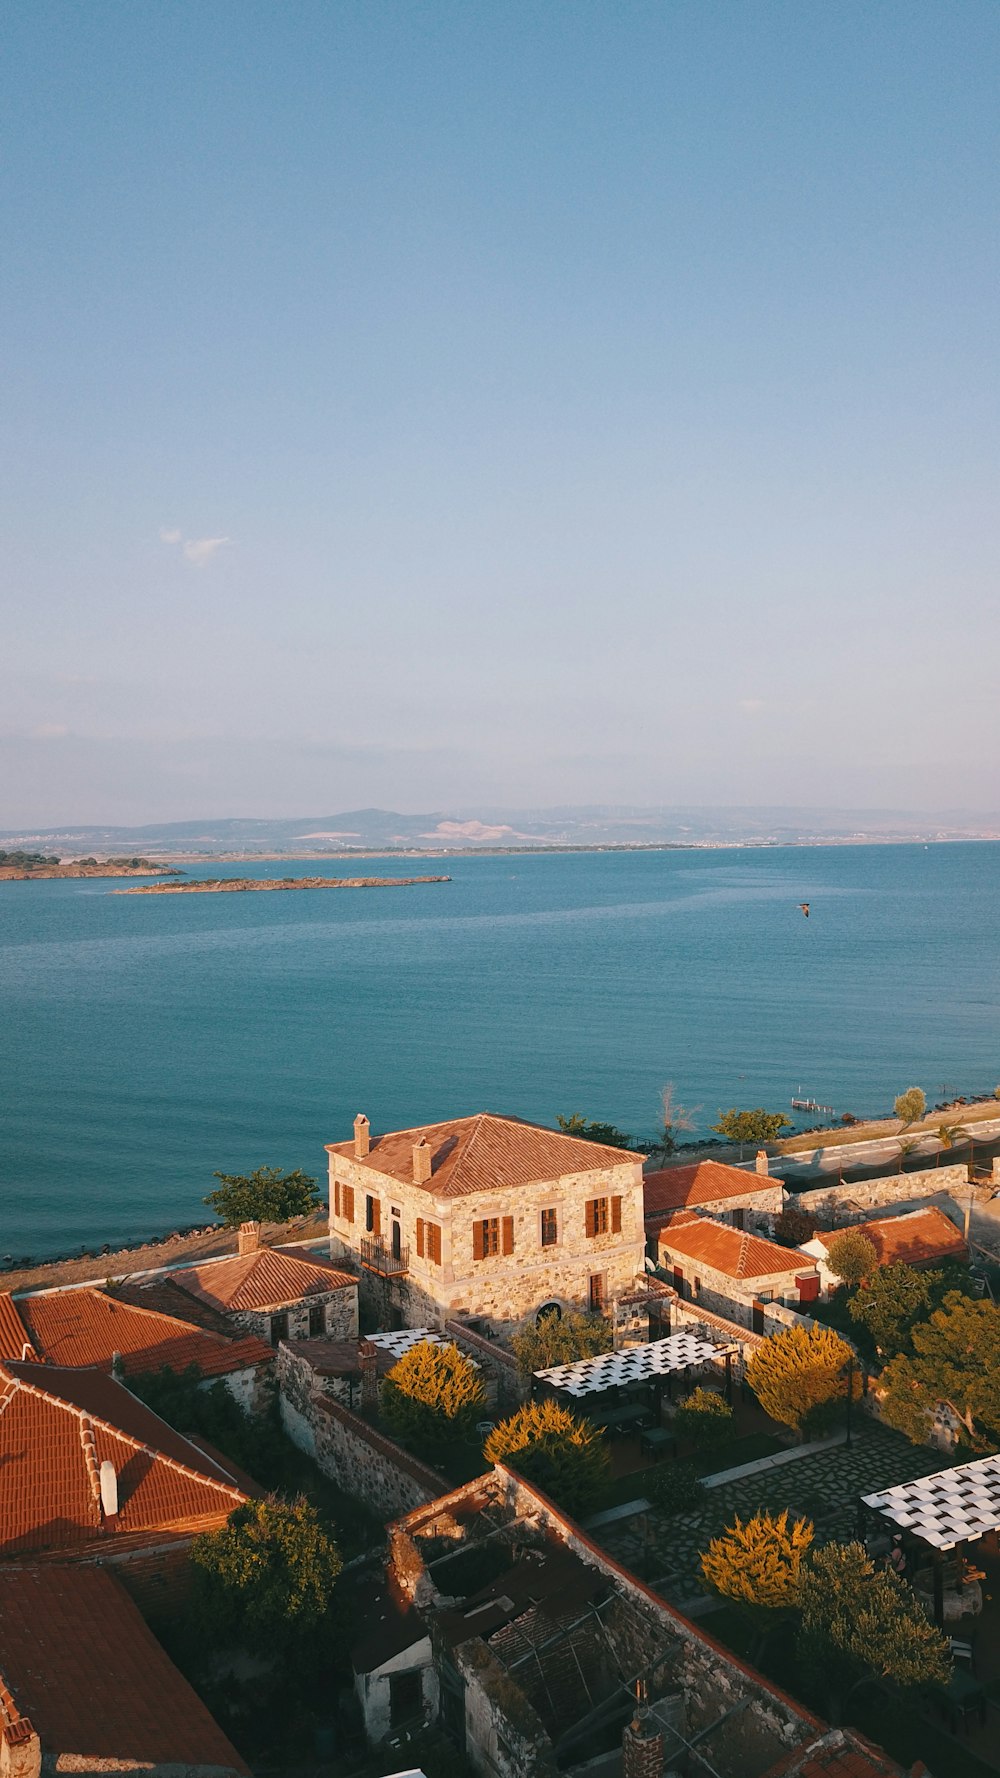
x=360, y=1459
x=836, y=1206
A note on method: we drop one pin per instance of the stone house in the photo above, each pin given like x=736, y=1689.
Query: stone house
x=276, y=1293
x=530, y=1645
x=487, y=1216
x=921, y=1238
x=730, y=1194
x=86, y=1687
x=729, y=1270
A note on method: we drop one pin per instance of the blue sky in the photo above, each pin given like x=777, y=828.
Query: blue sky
x=431, y=405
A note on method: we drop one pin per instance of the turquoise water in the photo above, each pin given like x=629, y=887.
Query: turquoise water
x=147, y=1040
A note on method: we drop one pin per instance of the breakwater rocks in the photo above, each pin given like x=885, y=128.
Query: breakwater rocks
x=231, y=885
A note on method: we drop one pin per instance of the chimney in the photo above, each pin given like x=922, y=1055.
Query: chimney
x=642, y=1748
x=109, y=1489
x=249, y=1237
x=996, y=1169
x=368, y=1360
x=761, y=1162
x=20, y=1750
x=362, y=1136
x=422, y=1160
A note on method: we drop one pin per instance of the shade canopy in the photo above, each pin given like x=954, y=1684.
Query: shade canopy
x=399, y=1342
x=634, y=1365
x=950, y=1507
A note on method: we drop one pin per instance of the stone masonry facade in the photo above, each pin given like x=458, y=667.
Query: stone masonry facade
x=339, y=1310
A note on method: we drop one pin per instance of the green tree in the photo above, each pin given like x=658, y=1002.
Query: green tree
x=266, y=1195
x=910, y=1106
x=856, y=1621
x=794, y=1227
x=559, y=1339
x=267, y=1576
x=852, y=1256
x=955, y=1359
x=751, y=1126
x=564, y=1456
x=950, y=1134
x=704, y=1419
x=758, y=1564
x=609, y=1134
x=675, y=1487
x=890, y=1302
x=799, y=1376
x=433, y=1397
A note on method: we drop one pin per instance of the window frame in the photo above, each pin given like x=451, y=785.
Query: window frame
x=549, y=1226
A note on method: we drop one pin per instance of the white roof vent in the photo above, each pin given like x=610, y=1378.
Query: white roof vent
x=109, y=1489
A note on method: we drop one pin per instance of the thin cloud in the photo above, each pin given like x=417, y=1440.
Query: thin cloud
x=170, y=536
x=200, y=550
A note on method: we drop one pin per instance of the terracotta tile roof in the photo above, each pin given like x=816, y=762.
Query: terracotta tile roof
x=56, y=1429
x=731, y=1251
x=77, y=1659
x=839, y=1753
x=14, y=1336
x=163, y=1294
x=268, y=1278
x=87, y=1327
x=484, y=1153
x=916, y=1237
x=705, y=1182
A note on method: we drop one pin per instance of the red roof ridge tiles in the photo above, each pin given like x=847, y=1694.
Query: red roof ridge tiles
x=699, y=1182
x=731, y=1251
x=267, y=1278
x=89, y=1445
x=923, y=1234
x=484, y=1152
x=14, y=1336
x=87, y=1326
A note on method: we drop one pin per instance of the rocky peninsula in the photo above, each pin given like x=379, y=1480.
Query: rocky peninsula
x=23, y=867
x=226, y=885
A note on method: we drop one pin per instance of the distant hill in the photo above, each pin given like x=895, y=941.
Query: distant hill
x=365, y=830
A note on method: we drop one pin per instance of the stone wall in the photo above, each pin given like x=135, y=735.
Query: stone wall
x=340, y=1315
x=360, y=1459
x=506, y=1387
x=506, y=1287
x=504, y=1736
x=836, y=1206
x=733, y=1297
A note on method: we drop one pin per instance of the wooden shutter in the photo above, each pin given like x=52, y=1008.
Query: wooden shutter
x=478, y=1240
x=508, y=1234
x=349, y=1203
x=591, y=1216
x=336, y=1197
x=434, y=1243
x=616, y=1216
x=376, y=1219
x=420, y=1237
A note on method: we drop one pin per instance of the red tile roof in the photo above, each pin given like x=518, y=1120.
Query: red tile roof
x=484, y=1153
x=917, y=1237
x=56, y=1429
x=88, y=1327
x=731, y=1251
x=839, y=1753
x=705, y=1182
x=77, y=1659
x=14, y=1336
x=268, y=1278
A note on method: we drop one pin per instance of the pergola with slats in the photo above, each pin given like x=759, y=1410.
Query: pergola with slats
x=636, y=1364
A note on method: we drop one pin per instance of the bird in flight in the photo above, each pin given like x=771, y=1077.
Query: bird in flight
x=804, y=905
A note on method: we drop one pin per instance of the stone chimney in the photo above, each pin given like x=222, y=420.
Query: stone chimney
x=368, y=1360
x=422, y=1161
x=642, y=1747
x=761, y=1161
x=362, y=1136
x=249, y=1237
x=996, y=1169
x=20, y=1750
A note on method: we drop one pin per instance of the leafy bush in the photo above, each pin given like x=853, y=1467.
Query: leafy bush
x=852, y=1256
x=799, y=1376
x=794, y=1227
x=559, y=1339
x=267, y=1576
x=267, y=1195
x=675, y=1487
x=564, y=1456
x=757, y=1564
x=609, y=1134
x=856, y=1620
x=433, y=1397
x=704, y=1419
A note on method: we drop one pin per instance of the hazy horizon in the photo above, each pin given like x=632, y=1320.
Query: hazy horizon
x=454, y=408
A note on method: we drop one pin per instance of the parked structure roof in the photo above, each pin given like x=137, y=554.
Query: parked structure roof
x=89, y=1327
x=78, y=1661
x=704, y=1182
x=733, y=1252
x=267, y=1278
x=56, y=1429
x=484, y=1153
x=917, y=1237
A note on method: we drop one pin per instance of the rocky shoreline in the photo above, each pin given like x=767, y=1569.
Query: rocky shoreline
x=234, y=885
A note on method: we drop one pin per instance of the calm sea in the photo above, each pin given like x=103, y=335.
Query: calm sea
x=147, y=1041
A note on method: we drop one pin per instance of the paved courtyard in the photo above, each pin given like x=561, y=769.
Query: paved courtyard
x=822, y=1485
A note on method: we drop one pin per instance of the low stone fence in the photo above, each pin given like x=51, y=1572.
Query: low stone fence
x=506, y=1388
x=836, y=1206
x=355, y=1455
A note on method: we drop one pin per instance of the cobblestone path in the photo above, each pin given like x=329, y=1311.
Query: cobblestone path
x=824, y=1487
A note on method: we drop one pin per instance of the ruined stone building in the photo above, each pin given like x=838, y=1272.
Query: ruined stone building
x=485, y=1215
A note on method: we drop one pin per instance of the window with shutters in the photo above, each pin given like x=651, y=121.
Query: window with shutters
x=434, y=1243
x=279, y=1327
x=550, y=1228
x=347, y=1198
x=373, y=1216
x=597, y=1216
x=486, y=1237
x=598, y=1291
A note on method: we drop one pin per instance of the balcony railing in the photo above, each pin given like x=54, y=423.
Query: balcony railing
x=377, y=1257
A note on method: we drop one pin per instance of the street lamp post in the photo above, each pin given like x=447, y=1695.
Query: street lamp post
x=850, y=1398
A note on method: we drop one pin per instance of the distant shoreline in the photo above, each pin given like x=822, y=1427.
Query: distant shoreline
x=238, y=885
x=301, y=854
